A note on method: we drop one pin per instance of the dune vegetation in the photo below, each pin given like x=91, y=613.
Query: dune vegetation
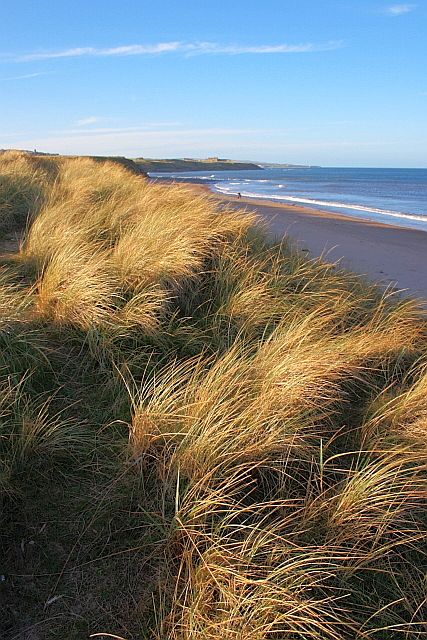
x=204, y=435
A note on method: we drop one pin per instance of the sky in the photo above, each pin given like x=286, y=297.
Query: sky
x=324, y=82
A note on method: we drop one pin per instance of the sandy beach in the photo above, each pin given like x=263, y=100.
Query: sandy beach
x=388, y=255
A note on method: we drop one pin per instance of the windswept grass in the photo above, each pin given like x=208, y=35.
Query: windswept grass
x=203, y=434
x=23, y=186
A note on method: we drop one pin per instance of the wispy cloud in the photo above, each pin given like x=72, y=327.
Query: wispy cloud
x=90, y=120
x=186, y=48
x=399, y=9
x=157, y=143
x=25, y=77
x=274, y=144
x=96, y=120
x=308, y=47
x=78, y=52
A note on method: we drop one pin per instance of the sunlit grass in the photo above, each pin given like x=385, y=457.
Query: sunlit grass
x=220, y=439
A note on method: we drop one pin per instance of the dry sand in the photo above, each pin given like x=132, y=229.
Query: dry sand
x=389, y=255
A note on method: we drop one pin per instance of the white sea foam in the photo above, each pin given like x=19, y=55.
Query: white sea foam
x=355, y=207
x=185, y=178
x=325, y=203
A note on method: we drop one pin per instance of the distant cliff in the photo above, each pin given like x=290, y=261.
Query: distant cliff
x=187, y=164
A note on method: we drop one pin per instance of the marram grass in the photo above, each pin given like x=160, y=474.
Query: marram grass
x=203, y=434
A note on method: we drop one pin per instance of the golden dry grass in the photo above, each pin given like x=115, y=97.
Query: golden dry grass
x=271, y=408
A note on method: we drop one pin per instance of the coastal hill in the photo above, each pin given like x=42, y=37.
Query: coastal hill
x=146, y=165
x=208, y=164
x=193, y=164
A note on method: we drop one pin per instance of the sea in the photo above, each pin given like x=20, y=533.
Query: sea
x=390, y=196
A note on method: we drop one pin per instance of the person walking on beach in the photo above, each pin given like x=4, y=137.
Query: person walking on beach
x=239, y=195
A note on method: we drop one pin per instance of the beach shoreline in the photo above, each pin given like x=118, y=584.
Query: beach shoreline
x=392, y=256
x=281, y=205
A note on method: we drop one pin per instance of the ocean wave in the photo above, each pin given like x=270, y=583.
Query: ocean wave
x=191, y=178
x=326, y=203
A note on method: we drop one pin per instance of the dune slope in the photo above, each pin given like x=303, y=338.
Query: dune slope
x=202, y=435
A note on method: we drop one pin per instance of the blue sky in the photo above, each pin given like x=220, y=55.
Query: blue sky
x=330, y=82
